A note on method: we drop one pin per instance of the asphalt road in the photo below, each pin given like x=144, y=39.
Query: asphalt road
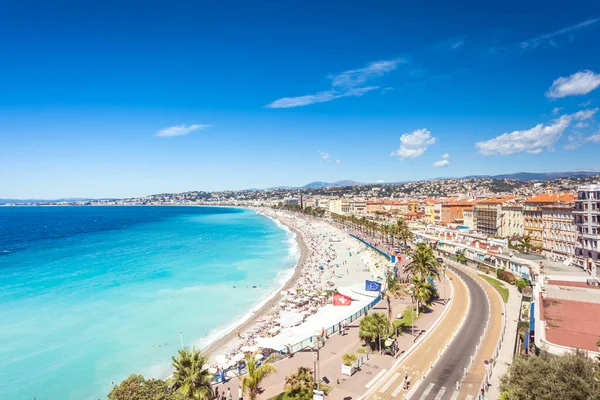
x=440, y=384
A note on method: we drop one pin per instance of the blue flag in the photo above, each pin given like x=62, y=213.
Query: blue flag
x=372, y=286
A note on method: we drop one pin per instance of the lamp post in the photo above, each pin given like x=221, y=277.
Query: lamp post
x=315, y=349
x=411, y=290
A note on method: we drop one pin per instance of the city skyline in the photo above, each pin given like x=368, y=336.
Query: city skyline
x=107, y=101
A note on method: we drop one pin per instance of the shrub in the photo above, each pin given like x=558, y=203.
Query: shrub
x=521, y=284
x=505, y=276
x=349, y=359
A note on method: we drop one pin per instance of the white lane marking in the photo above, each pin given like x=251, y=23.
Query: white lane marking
x=398, y=390
x=441, y=393
x=372, y=381
x=455, y=395
x=390, y=382
x=426, y=392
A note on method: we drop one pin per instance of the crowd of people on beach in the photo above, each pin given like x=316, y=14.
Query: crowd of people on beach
x=321, y=270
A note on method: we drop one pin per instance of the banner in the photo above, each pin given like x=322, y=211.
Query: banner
x=341, y=300
x=372, y=286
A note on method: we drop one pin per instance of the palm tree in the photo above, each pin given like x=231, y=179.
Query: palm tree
x=393, y=288
x=403, y=232
x=422, y=291
x=373, y=327
x=191, y=379
x=251, y=381
x=423, y=263
x=300, y=384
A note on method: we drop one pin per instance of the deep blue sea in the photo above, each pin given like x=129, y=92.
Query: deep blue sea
x=89, y=295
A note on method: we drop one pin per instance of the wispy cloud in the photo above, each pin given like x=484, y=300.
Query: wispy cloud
x=414, y=144
x=534, y=140
x=180, y=130
x=452, y=43
x=556, y=110
x=325, y=156
x=346, y=84
x=441, y=163
x=594, y=138
x=577, y=84
x=357, y=77
x=446, y=156
x=338, y=161
x=550, y=38
x=321, y=97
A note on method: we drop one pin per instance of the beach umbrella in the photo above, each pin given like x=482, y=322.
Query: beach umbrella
x=238, y=357
x=249, y=349
x=259, y=357
x=212, y=370
x=221, y=359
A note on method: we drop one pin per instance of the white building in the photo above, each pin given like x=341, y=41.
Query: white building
x=587, y=220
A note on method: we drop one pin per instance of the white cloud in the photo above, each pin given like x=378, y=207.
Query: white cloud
x=581, y=125
x=414, y=144
x=548, y=37
x=346, y=84
x=357, y=77
x=446, y=156
x=556, y=110
x=321, y=97
x=579, y=83
x=441, y=163
x=535, y=140
x=594, y=138
x=338, y=161
x=180, y=130
x=586, y=103
x=380, y=181
x=325, y=156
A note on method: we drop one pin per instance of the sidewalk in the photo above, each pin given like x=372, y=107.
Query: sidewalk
x=506, y=355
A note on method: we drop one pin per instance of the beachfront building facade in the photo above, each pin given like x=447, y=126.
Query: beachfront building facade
x=558, y=232
x=469, y=217
x=489, y=216
x=452, y=211
x=437, y=212
x=512, y=222
x=587, y=220
x=428, y=209
x=532, y=214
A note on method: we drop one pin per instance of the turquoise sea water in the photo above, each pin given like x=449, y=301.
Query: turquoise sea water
x=89, y=295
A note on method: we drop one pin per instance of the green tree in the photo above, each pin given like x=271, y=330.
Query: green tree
x=300, y=385
x=571, y=376
x=373, y=327
x=191, y=378
x=136, y=387
x=256, y=374
x=422, y=291
x=423, y=263
x=393, y=288
x=403, y=232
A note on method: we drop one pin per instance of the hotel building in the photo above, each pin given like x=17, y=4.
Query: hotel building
x=587, y=220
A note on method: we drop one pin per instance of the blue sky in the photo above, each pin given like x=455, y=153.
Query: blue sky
x=102, y=98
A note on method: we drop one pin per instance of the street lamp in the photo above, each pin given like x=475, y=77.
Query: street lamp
x=411, y=290
x=315, y=348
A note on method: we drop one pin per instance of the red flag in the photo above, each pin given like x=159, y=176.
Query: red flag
x=341, y=300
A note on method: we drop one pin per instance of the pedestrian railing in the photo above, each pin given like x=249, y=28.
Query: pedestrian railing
x=383, y=253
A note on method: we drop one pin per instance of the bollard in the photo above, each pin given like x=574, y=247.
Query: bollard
x=456, y=385
x=465, y=371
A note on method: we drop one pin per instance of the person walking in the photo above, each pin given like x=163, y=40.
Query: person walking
x=229, y=394
x=240, y=393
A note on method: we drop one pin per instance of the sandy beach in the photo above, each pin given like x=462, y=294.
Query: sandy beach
x=329, y=259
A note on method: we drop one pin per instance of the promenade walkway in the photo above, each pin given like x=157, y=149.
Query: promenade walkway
x=330, y=355
x=421, y=359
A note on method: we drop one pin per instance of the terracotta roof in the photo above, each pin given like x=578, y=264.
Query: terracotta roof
x=551, y=198
x=495, y=200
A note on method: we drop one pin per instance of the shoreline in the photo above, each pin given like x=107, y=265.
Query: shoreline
x=218, y=346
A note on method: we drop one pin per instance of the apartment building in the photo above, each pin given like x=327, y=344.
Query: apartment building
x=558, y=231
x=532, y=214
x=587, y=220
x=453, y=211
x=437, y=212
x=512, y=222
x=469, y=217
x=489, y=216
x=429, y=214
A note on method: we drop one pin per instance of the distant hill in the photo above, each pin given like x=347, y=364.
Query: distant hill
x=319, y=185
x=538, y=176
